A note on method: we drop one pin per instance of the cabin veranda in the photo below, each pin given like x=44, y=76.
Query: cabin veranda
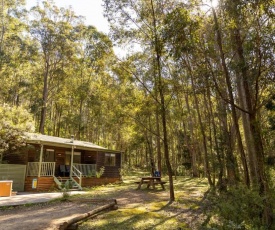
x=48, y=162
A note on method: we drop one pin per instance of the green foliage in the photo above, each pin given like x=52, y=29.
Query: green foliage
x=66, y=190
x=238, y=208
x=14, y=121
x=99, y=173
x=65, y=195
x=183, y=170
x=125, y=170
x=95, y=173
x=270, y=106
x=91, y=173
x=115, y=103
x=180, y=19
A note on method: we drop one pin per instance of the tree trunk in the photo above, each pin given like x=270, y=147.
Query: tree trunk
x=202, y=129
x=194, y=161
x=150, y=149
x=158, y=142
x=44, y=100
x=254, y=131
x=250, y=145
x=79, y=131
x=3, y=29
x=231, y=98
x=217, y=147
x=228, y=140
x=163, y=112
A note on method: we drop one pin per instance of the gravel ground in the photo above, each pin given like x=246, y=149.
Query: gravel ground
x=42, y=216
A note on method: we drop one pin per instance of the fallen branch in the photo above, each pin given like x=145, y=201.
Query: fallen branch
x=81, y=217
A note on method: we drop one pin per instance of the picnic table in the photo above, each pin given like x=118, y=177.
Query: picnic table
x=150, y=182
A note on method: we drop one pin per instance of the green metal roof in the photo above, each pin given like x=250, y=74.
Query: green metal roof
x=36, y=138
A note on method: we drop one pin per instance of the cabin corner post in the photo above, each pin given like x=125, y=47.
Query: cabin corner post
x=40, y=160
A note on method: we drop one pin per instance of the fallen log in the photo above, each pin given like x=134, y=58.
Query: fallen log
x=72, y=227
x=65, y=225
x=93, y=200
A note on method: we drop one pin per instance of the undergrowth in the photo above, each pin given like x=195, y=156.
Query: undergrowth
x=237, y=208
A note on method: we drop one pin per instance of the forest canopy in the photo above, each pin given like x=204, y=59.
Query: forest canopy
x=195, y=98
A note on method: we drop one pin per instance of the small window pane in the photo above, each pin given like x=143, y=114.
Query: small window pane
x=110, y=159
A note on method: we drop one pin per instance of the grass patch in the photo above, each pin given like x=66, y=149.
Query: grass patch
x=154, y=213
x=136, y=218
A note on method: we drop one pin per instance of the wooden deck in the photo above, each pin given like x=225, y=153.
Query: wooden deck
x=45, y=184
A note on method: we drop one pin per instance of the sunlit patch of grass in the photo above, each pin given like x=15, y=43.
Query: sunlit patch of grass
x=195, y=207
x=152, y=214
x=138, y=218
x=154, y=221
x=157, y=205
x=94, y=225
x=105, y=191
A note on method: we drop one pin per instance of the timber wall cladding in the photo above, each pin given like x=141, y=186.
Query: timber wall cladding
x=43, y=184
x=110, y=171
x=88, y=157
x=14, y=172
x=100, y=160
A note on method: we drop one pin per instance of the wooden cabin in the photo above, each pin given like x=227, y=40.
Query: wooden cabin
x=48, y=161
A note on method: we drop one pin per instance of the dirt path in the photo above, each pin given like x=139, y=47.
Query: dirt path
x=49, y=215
x=42, y=216
x=188, y=212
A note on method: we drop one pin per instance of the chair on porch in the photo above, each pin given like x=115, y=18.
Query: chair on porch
x=63, y=170
x=68, y=168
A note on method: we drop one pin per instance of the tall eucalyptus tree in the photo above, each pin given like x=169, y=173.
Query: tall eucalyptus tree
x=52, y=29
x=140, y=22
x=253, y=64
x=15, y=50
x=241, y=51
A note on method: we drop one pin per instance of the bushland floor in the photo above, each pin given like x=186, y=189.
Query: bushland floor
x=137, y=209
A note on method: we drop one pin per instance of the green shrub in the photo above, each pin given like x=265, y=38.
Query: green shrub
x=238, y=208
x=66, y=190
x=100, y=172
x=95, y=173
x=91, y=173
x=14, y=122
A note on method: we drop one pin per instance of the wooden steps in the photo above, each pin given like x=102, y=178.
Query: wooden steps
x=69, y=183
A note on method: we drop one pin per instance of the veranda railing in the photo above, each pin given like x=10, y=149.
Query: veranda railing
x=86, y=169
x=47, y=169
x=78, y=174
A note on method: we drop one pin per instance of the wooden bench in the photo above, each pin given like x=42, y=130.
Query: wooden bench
x=150, y=183
x=144, y=182
x=162, y=183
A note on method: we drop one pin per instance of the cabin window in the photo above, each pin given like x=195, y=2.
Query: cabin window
x=77, y=158
x=49, y=155
x=110, y=159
